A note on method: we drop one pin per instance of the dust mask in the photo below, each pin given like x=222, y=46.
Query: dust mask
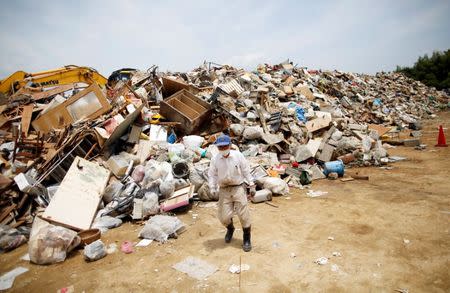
x=225, y=153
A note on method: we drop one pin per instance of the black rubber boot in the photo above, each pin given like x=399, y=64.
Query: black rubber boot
x=230, y=231
x=247, y=246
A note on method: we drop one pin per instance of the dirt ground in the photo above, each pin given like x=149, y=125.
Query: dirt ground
x=392, y=232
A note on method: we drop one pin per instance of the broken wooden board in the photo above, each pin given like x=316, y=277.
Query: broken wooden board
x=123, y=127
x=313, y=145
x=180, y=198
x=144, y=150
x=320, y=122
x=171, y=86
x=89, y=103
x=380, y=129
x=304, y=90
x=58, y=90
x=75, y=202
x=134, y=134
x=326, y=154
x=26, y=118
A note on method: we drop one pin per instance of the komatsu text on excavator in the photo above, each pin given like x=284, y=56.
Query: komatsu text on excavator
x=49, y=78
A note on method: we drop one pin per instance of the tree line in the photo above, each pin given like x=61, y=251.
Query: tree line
x=432, y=71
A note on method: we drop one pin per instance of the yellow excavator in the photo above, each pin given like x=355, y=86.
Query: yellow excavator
x=51, y=78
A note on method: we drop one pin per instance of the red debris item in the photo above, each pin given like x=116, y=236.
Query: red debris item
x=127, y=247
x=441, y=138
x=294, y=164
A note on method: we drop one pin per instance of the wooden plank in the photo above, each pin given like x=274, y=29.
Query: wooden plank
x=318, y=123
x=75, y=203
x=135, y=133
x=60, y=89
x=7, y=211
x=27, y=112
x=380, y=129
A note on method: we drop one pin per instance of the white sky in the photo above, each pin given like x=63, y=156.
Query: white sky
x=359, y=36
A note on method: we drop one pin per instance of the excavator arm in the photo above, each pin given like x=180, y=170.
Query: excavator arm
x=50, y=78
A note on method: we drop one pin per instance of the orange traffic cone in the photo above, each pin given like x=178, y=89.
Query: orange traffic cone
x=441, y=138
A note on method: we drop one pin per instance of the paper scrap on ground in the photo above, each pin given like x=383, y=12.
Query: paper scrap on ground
x=195, y=268
x=234, y=269
x=112, y=248
x=144, y=243
x=321, y=261
x=7, y=280
x=26, y=257
x=317, y=193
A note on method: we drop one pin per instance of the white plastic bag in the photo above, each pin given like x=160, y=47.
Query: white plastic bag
x=150, y=205
x=237, y=129
x=275, y=185
x=49, y=243
x=160, y=227
x=94, y=251
x=193, y=142
x=253, y=132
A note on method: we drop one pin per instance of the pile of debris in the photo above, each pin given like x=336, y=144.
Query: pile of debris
x=83, y=152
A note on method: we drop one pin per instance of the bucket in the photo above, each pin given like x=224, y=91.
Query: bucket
x=334, y=166
x=180, y=170
x=262, y=195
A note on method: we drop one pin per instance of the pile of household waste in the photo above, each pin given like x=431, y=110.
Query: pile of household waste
x=79, y=159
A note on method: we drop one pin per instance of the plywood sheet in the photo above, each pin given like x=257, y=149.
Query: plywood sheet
x=75, y=202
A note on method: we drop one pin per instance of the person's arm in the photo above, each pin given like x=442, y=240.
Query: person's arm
x=212, y=176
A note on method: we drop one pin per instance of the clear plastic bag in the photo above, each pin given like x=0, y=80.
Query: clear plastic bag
x=10, y=238
x=49, y=243
x=94, y=251
x=160, y=227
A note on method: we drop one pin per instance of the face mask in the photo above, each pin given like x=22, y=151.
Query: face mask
x=225, y=153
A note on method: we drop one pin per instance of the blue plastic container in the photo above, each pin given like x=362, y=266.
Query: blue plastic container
x=334, y=166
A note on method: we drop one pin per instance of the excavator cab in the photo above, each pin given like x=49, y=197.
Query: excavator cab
x=123, y=74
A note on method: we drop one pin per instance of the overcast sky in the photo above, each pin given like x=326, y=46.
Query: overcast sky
x=357, y=35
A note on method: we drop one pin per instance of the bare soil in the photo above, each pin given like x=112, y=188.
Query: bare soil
x=391, y=231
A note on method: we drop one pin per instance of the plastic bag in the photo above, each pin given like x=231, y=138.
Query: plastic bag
x=196, y=178
x=167, y=188
x=160, y=227
x=300, y=114
x=175, y=148
x=193, y=142
x=10, y=238
x=237, y=129
x=253, y=132
x=138, y=173
x=275, y=185
x=106, y=222
x=49, y=243
x=366, y=143
x=111, y=191
x=94, y=251
x=157, y=170
x=205, y=195
x=150, y=205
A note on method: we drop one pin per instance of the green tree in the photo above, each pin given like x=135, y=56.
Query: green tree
x=432, y=71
